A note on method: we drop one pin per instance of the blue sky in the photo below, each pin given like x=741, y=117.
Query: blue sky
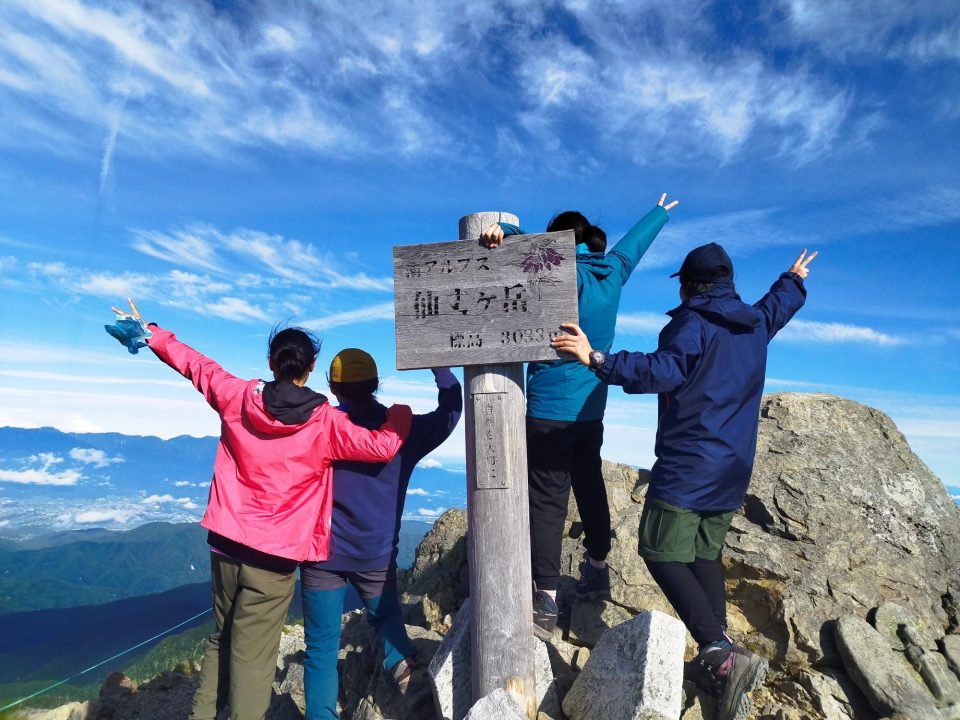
x=231, y=166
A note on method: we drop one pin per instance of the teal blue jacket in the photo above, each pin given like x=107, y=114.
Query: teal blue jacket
x=568, y=390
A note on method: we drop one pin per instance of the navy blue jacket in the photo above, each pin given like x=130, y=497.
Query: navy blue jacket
x=368, y=498
x=567, y=390
x=709, y=370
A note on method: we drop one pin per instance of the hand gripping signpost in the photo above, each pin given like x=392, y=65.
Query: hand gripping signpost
x=490, y=310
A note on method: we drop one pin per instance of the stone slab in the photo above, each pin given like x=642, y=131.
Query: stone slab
x=635, y=671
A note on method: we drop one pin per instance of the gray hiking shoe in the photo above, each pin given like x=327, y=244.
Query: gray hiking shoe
x=545, y=614
x=594, y=582
x=727, y=672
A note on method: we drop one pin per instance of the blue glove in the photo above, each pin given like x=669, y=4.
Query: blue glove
x=129, y=332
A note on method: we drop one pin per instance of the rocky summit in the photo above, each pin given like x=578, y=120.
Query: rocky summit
x=843, y=570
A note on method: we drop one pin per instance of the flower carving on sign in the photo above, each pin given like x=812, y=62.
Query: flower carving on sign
x=539, y=262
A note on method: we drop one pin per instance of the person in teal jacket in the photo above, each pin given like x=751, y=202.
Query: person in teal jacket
x=565, y=406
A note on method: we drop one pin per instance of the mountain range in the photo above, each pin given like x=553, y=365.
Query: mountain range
x=51, y=481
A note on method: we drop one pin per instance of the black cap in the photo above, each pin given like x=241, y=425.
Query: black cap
x=705, y=264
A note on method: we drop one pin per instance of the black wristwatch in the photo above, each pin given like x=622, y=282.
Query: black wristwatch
x=597, y=359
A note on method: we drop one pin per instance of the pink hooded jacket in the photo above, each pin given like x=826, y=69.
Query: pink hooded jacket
x=272, y=487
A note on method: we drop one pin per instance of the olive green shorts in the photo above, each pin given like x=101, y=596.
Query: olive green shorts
x=671, y=534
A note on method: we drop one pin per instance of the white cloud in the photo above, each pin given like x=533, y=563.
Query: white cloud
x=184, y=483
x=915, y=32
x=116, y=515
x=641, y=323
x=154, y=499
x=40, y=477
x=42, y=474
x=372, y=79
x=824, y=332
x=430, y=463
x=418, y=491
x=97, y=458
x=382, y=311
x=431, y=512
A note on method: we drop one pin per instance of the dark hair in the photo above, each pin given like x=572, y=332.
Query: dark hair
x=292, y=351
x=692, y=288
x=586, y=234
x=356, y=392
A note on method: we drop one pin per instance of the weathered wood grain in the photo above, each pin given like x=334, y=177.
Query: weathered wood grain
x=498, y=538
x=458, y=303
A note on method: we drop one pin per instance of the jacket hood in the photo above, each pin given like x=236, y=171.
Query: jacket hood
x=280, y=408
x=723, y=306
x=368, y=415
x=594, y=263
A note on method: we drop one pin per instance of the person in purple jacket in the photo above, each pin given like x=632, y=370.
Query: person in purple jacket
x=368, y=501
x=708, y=370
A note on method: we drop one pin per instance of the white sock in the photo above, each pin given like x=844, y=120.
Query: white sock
x=599, y=564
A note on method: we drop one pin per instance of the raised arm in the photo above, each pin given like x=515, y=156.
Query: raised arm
x=353, y=442
x=207, y=376
x=786, y=296
x=632, y=246
x=431, y=429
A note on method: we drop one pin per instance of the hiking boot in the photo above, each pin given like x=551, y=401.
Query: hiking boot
x=727, y=672
x=594, y=582
x=545, y=612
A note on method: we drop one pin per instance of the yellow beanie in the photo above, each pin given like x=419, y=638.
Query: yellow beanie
x=352, y=365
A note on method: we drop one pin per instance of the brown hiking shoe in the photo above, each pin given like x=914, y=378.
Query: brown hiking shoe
x=727, y=672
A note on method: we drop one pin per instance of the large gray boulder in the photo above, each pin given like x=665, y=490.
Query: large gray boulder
x=635, y=672
x=498, y=705
x=841, y=517
x=882, y=675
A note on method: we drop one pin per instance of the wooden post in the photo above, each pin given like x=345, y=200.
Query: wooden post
x=498, y=536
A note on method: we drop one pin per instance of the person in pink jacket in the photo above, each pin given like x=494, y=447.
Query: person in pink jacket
x=270, y=501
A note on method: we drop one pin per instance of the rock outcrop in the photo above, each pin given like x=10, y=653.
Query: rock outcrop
x=843, y=569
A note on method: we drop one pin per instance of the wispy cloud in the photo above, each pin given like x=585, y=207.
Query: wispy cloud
x=430, y=463
x=829, y=332
x=641, y=323
x=293, y=261
x=418, y=491
x=219, y=80
x=914, y=32
x=381, y=311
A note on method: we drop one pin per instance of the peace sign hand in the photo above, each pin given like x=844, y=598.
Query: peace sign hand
x=134, y=313
x=800, y=264
x=669, y=207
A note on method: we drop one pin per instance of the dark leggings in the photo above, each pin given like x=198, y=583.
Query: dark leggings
x=561, y=455
x=697, y=593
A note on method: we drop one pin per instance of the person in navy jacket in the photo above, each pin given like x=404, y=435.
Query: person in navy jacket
x=368, y=500
x=708, y=370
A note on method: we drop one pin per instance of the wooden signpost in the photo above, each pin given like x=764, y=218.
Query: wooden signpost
x=490, y=310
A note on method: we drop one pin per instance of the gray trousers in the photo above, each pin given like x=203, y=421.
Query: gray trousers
x=249, y=607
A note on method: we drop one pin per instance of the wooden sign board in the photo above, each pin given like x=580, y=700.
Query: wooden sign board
x=458, y=303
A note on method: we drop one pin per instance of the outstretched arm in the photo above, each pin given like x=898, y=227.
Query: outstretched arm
x=786, y=296
x=632, y=246
x=207, y=376
x=353, y=442
x=636, y=372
